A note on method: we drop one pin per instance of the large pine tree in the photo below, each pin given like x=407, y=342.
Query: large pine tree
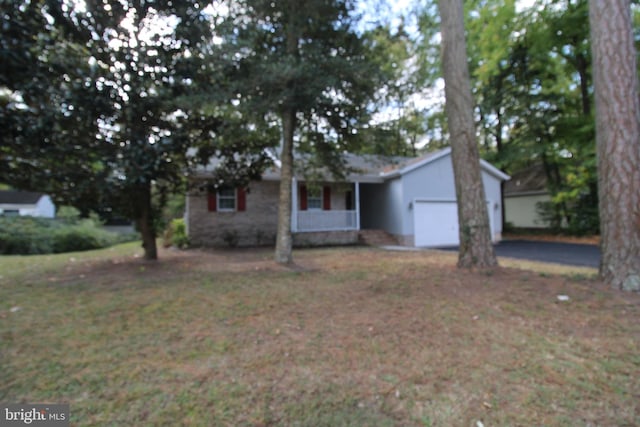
x=476, y=249
x=618, y=141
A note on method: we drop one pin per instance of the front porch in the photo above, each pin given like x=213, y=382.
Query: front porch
x=308, y=221
x=314, y=213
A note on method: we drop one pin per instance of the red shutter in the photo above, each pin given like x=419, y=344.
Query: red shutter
x=326, y=198
x=212, y=201
x=303, y=197
x=241, y=196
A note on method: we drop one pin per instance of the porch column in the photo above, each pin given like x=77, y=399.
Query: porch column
x=294, y=205
x=357, y=193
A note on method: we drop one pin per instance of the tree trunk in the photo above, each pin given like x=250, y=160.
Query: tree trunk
x=284, y=239
x=476, y=249
x=144, y=223
x=618, y=141
x=582, y=65
x=500, y=149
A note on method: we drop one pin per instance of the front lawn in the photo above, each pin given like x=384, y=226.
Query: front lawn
x=350, y=337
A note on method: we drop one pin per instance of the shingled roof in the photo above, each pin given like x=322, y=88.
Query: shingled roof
x=531, y=180
x=365, y=167
x=12, y=197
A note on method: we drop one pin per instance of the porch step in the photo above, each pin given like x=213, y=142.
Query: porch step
x=376, y=238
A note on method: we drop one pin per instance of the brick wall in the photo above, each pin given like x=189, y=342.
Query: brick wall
x=256, y=226
x=325, y=238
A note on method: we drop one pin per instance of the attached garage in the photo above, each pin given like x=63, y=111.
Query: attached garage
x=416, y=201
x=435, y=222
x=426, y=214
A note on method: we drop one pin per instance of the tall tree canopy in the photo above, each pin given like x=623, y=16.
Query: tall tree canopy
x=531, y=79
x=397, y=123
x=303, y=63
x=89, y=100
x=49, y=103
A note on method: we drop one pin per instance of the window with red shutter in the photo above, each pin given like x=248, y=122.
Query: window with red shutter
x=227, y=199
x=241, y=195
x=303, y=197
x=326, y=198
x=314, y=198
x=212, y=204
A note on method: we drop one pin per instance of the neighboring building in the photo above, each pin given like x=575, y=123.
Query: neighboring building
x=522, y=194
x=412, y=199
x=24, y=203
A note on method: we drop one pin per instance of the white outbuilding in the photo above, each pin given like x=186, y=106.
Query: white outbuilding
x=25, y=203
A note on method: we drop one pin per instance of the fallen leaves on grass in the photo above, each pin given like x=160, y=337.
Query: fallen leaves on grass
x=352, y=336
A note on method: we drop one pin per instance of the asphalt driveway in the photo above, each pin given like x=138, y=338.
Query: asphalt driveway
x=583, y=255
x=559, y=253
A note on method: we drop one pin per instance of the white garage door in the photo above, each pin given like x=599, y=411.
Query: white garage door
x=435, y=223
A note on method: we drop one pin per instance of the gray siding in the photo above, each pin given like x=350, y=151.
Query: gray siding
x=492, y=192
x=436, y=181
x=380, y=206
x=433, y=181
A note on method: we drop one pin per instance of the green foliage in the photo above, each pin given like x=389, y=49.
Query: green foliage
x=532, y=84
x=68, y=214
x=176, y=234
x=49, y=102
x=398, y=123
x=93, y=101
x=303, y=57
x=27, y=236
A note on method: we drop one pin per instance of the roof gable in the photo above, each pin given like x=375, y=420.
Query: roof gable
x=532, y=179
x=419, y=162
x=19, y=197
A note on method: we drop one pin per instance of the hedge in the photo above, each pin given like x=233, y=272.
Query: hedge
x=28, y=235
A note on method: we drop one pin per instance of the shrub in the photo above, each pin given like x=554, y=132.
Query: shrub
x=26, y=236
x=231, y=238
x=81, y=237
x=176, y=234
x=68, y=214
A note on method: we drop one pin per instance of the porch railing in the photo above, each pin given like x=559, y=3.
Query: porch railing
x=326, y=221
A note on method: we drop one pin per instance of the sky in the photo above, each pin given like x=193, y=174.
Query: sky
x=395, y=9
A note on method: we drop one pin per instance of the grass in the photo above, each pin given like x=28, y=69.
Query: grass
x=351, y=337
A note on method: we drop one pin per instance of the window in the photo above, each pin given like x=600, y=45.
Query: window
x=314, y=199
x=11, y=212
x=227, y=199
